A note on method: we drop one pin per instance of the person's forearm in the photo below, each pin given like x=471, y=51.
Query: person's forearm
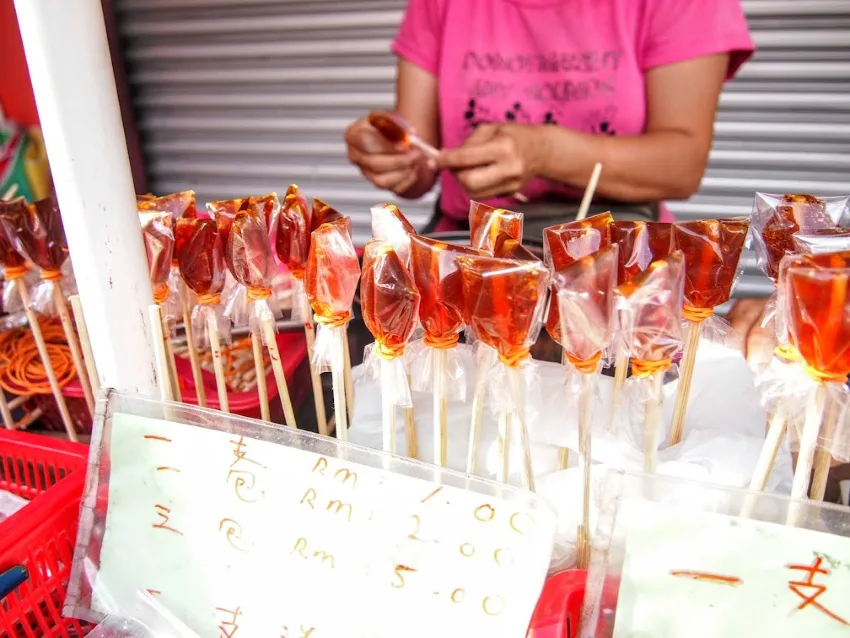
x=643, y=168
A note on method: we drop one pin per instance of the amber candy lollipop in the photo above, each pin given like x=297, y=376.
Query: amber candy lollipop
x=712, y=249
x=333, y=271
x=389, y=224
x=586, y=305
x=487, y=223
x=649, y=310
x=397, y=130
x=390, y=303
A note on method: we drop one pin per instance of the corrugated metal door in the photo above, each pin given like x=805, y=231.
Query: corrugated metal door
x=242, y=97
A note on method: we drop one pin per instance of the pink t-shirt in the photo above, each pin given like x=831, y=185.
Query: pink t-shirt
x=573, y=63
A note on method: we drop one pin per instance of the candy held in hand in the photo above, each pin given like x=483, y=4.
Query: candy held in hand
x=393, y=127
x=388, y=297
x=641, y=243
x=292, y=236
x=507, y=299
x=200, y=255
x=586, y=302
x=333, y=271
x=440, y=284
x=712, y=249
x=487, y=223
x=649, y=311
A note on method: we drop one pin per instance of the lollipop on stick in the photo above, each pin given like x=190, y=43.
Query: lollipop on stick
x=487, y=223
x=641, y=243
x=397, y=130
x=390, y=304
x=649, y=312
x=389, y=224
x=507, y=299
x=712, y=249
x=331, y=281
x=158, y=235
x=38, y=232
x=441, y=311
x=323, y=214
x=292, y=244
x=586, y=302
x=562, y=246
x=200, y=256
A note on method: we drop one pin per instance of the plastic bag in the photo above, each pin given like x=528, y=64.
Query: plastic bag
x=390, y=303
x=777, y=218
x=333, y=271
x=147, y=618
x=641, y=243
x=200, y=258
x=389, y=224
x=487, y=223
x=442, y=311
x=324, y=214
x=292, y=245
x=828, y=240
x=158, y=235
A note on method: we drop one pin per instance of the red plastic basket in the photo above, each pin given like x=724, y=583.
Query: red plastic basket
x=559, y=608
x=41, y=536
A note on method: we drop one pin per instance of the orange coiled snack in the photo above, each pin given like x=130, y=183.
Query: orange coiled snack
x=487, y=223
x=566, y=243
x=333, y=271
x=586, y=304
x=22, y=370
x=200, y=256
x=389, y=224
x=712, y=249
x=641, y=243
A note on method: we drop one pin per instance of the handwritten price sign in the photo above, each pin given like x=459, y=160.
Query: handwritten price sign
x=701, y=574
x=240, y=537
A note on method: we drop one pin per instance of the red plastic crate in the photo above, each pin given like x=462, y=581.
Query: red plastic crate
x=558, y=610
x=41, y=536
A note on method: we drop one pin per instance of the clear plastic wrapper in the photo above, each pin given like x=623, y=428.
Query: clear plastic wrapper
x=399, y=131
x=777, y=218
x=292, y=245
x=158, y=235
x=324, y=214
x=566, y=243
x=827, y=240
x=389, y=224
x=641, y=243
x=200, y=258
x=243, y=229
x=390, y=304
x=487, y=223
x=333, y=271
x=147, y=618
x=442, y=311
x=507, y=247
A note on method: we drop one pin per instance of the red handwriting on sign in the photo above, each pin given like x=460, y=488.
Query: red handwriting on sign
x=815, y=590
x=244, y=480
x=707, y=577
x=230, y=625
x=164, y=514
x=154, y=437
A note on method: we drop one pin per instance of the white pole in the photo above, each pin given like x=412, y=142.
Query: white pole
x=71, y=71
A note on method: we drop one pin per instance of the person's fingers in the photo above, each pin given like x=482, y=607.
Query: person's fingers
x=744, y=314
x=501, y=178
x=392, y=180
x=478, y=150
x=760, y=344
x=383, y=163
x=481, y=134
x=364, y=137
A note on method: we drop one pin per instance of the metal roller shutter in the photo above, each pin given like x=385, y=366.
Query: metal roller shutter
x=235, y=98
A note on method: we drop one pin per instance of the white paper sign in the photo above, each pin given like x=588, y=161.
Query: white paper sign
x=712, y=575
x=243, y=538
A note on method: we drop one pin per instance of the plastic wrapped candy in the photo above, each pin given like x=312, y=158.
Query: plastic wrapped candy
x=506, y=247
x=649, y=312
x=200, y=256
x=158, y=235
x=333, y=271
x=14, y=264
x=566, y=243
x=508, y=300
x=389, y=224
x=825, y=240
x=324, y=213
x=641, y=243
x=487, y=223
x=777, y=218
x=397, y=130
x=37, y=233
x=292, y=245
x=390, y=303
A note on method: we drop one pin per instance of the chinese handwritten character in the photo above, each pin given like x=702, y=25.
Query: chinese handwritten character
x=164, y=513
x=245, y=480
x=708, y=577
x=816, y=590
x=230, y=626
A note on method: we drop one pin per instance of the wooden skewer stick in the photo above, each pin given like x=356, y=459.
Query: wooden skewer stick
x=277, y=367
x=621, y=371
x=218, y=366
x=584, y=424
x=9, y=194
x=260, y=370
x=6, y=412
x=563, y=452
x=652, y=425
x=29, y=419
x=338, y=382
x=517, y=389
x=689, y=357
x=194, y=358
x=505, y=423
x=808, y=444
x=18, y=401
x=73, y=345
x=478, y=409
x=388, y=406
x=349, y=382
x=410, y=430
x=315, y=377
x=767, y=458
x=45, y=360
x=589, y=192
x=85, y=342
x=440, y=408
x=172, y=362
x=160, y=354
x=823, y=457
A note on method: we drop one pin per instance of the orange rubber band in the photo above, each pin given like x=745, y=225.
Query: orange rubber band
x=258, y=294
x=642, y=369
x=160, y=294
x=209, y=299
x=336, y=321
x=825, y=377
x=388, y=352
x=441, y=343
x=787, y=353
x=51, y=274
x=15, y=272
x=21, y=368
x=696, y=315
x=586, y=366
x=515, y=359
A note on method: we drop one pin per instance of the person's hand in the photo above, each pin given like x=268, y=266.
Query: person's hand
x=759, y=342
x=389, y=166
x=497, y=159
